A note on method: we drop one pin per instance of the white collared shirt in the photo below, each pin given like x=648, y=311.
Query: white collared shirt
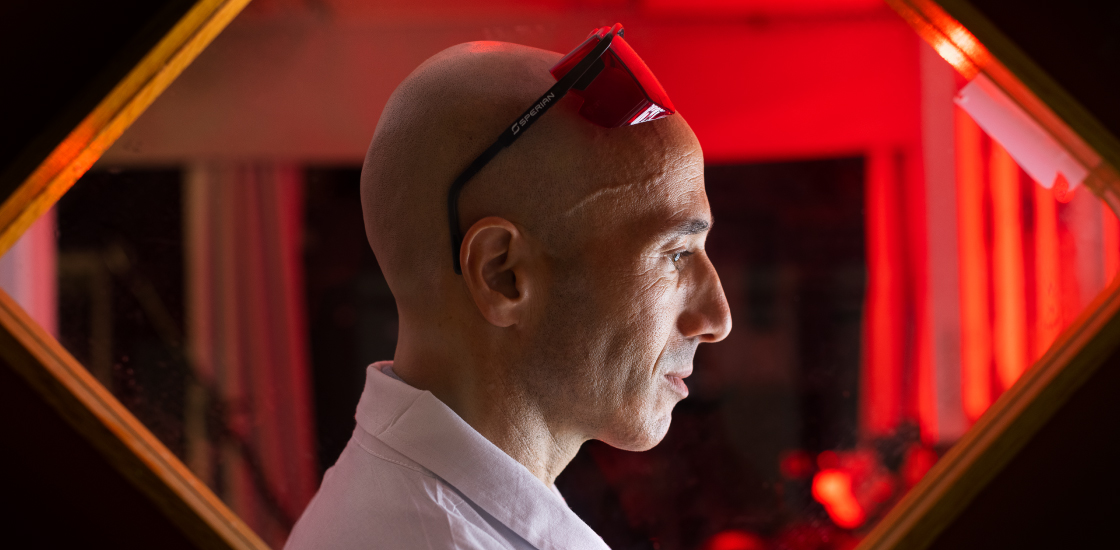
x=416, y=476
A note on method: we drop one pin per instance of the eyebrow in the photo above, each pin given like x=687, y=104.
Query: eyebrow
x=692, y=227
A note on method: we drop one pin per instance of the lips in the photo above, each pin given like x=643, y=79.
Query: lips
x=676, y=381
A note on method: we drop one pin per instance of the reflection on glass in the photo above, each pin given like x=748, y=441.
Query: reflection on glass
x=181, y=290
x=232, y=308
x=884, y=292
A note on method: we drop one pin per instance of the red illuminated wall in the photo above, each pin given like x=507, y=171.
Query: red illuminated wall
x=754, y=87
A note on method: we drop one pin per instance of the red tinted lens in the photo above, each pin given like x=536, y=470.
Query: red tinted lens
x=569, y=61
x=625, y=92
x=644, y=77
x=614, y=98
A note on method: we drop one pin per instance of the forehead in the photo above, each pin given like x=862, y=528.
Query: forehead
x=677, y=210
x=647, y=200
x=659, y=177
x=638, y=167
x=633, y=183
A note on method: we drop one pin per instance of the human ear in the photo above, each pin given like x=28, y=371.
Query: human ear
x=494, y=259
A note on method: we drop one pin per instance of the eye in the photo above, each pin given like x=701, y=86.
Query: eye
x=678, y=256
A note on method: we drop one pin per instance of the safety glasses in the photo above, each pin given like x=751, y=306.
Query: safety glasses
x=615, y=85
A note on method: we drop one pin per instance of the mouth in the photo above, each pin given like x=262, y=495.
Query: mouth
x=676, y=382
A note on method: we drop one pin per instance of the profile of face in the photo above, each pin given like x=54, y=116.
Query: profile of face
x=628, y=308
x=585, y=288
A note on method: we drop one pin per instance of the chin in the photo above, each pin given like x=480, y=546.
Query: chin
x=640, y=433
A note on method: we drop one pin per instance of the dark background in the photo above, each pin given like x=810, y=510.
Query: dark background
x=788, y=241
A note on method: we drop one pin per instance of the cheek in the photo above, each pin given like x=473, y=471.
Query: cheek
x=604, y=342
x=639, y=334
x=654, y=311
x=641, y=312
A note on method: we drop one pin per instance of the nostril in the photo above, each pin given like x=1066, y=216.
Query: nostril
x=720, y=330
x=721, y=316
x=711, y=322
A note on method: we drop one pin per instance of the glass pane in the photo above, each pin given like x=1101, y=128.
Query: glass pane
x=890, y=269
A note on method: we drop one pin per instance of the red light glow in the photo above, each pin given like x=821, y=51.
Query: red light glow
x=828, y=460
x=917, y=462
x=1070, y=283
x=1048, y=319
x=885, y=297
x=1111, y=243
x=1061, y=189
x=796, y=464
x=735, y=540
x=1008, y=279
x=951, y=53
x=833, y=489
x=976, y=344
x=483, y=46
x=957, y=46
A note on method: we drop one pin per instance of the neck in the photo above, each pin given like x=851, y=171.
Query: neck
x=481, y=391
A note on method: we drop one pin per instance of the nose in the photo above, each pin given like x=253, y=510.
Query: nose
x=706, y=316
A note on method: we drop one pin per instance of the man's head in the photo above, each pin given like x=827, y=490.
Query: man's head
x=585, y=287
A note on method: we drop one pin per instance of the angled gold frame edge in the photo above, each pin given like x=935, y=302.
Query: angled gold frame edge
x=74, y=155
x=37, y=357
x=121, y=438
x=983, y=48
x=923, y=513
x=915, y=522
x=1023, y=79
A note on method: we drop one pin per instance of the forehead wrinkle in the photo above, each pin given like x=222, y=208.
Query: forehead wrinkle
x=651, y=155
x=641, y=188
x=604, y=193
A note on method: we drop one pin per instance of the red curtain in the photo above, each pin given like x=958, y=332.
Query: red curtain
x=1028, y=263
x=250, y=428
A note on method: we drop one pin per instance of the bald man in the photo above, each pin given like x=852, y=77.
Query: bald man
x=583, y=294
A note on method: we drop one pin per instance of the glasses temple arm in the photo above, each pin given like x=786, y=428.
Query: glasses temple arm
x=511, y=133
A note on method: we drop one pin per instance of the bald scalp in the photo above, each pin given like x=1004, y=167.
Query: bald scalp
x=445, y=114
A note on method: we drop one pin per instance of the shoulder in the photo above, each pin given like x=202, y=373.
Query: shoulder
x=374, y=497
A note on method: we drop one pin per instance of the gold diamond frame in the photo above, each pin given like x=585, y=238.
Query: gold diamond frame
x=954, y=27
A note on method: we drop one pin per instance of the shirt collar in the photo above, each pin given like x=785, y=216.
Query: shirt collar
x=418, y=425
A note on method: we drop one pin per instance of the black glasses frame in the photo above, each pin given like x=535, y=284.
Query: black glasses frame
x=579, y=77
